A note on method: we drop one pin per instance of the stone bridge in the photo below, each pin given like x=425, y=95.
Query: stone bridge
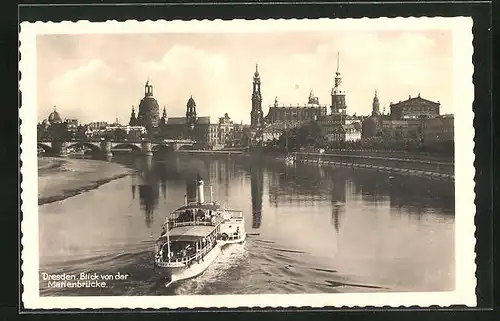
x=106, y=147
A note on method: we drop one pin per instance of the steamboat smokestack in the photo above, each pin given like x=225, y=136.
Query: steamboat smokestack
x=191, y=191
x=185, y=200
x=201, y=192
x=211, y=194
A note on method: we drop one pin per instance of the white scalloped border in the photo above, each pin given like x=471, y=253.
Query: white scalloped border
x=463, y=97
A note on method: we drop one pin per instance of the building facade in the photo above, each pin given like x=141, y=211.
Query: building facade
x=226, y=129
x=410, y=129
x=344, y=133
x=191, y=126
x=414, y=108
x=292, y=114
x=438, y=129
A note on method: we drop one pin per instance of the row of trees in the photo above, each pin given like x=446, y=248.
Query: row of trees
x=311, y=136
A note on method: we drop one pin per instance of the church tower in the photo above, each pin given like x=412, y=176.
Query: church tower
x=375, y=105
x=256, y=115
x=191, y=113
x=338, y=93
x=133, y=119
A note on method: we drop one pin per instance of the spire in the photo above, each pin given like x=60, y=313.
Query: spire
x=375, y=93
x=338, y=62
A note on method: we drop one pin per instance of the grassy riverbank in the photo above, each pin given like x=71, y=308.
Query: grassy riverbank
x=62, y=178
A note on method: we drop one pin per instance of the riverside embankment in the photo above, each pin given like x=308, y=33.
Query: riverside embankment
x=421, y=166
x=59, y=178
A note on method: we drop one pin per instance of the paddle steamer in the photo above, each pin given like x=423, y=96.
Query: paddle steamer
x=193, y=235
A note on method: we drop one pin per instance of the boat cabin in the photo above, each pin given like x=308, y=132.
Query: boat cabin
x=186, y=245
x=195, y=214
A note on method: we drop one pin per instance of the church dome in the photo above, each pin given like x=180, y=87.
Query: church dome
x=54, y=117
x=149, y=112
x=191, y=103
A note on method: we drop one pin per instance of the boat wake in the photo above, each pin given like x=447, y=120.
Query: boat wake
x=230, y=258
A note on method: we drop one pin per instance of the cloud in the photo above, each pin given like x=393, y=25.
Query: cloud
x=102, y=82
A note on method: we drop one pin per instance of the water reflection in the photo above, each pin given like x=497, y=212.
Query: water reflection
x=149, y=187
x=325, y=228
x=257, y=188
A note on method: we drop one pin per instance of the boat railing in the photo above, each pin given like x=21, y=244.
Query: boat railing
x=235, y=214
x=175, y=223
x=195, y=256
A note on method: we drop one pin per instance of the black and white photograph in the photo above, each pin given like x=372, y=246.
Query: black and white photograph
x=239, y=163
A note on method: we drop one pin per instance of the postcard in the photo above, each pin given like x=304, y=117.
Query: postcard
x=261, y=163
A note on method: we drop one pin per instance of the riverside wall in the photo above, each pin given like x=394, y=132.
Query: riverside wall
x=443, y=169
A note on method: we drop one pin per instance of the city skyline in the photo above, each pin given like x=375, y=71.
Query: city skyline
x=100, y=77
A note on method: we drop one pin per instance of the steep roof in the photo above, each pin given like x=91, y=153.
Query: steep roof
x=176, y=121
x=204, y=120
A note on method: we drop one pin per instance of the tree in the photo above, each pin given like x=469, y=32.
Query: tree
x=80, y=133
x=59, y=132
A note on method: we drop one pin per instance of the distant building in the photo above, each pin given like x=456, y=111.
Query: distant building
x=344, y=133
x=226, y=129
x=273, y=131
x=401, y=128
x=72, y=124
x=438, y=129
x=191, y=126
x=97, y=125
x=404, y=121
x=414, y=108
x=213, y=137
x=296, y=113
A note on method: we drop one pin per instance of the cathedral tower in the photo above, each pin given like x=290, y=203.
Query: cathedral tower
x=338, y=94
x=375, y=105
x=256, y=115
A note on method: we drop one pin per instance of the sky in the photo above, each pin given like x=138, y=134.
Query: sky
x=99, y=77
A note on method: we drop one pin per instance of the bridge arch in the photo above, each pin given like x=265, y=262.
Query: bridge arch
x=93, y=147
x=132, y=146
x=186, y=147
x=162, y=148
x=46, y=147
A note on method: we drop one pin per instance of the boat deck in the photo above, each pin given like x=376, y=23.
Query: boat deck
x=189, y=233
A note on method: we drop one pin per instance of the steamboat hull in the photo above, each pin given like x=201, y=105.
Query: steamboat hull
x=238, y=240
x=174, y=273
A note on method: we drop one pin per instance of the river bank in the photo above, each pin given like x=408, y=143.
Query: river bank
x=59, y=178
x=404, y=166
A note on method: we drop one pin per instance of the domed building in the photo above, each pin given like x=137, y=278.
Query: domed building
x=149, y=110
x=54, y=117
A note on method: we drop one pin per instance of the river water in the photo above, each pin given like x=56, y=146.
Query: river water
x=311, y=229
